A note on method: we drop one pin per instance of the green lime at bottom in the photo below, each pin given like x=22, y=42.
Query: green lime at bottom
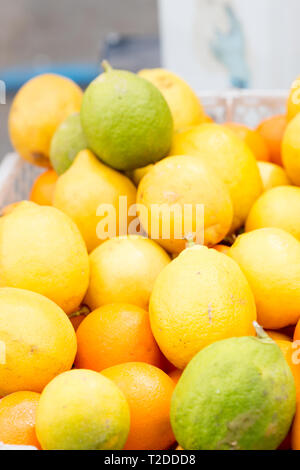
x=238, y=393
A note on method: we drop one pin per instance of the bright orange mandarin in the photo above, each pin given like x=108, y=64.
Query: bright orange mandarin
x=253, y=139
x=148, y=391
x=114, y=334
x=272, y=130
x=292, y=358
x=17, y=419
x=43, y=188
x=296, y=430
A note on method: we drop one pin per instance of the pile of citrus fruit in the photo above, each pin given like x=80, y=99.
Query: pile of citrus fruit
x=150, y=286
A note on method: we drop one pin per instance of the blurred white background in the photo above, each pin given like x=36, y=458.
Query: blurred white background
x=216, y=44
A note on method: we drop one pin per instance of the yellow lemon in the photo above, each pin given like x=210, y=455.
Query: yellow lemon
x=182, y=196
x=37, y=341
x=124, y=269
x=291, y=150
x=43, y=251
x=39, y=107
x=82, y=410
x=200, y=297
x=270, y=259
x=279, y=207
x=184, y=104
x=86, y=187
x=272, y=175
x=230, y=157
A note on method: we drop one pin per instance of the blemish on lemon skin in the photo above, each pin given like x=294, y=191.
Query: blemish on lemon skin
x=209, y=311
x=171, y=196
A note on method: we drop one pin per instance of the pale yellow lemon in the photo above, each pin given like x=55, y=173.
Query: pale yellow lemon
x=183, y=196
x=43, y=251
x=272, y=175
x=230, y=157
x=200, y=297
x=124, y=269
x=184, y=104
x=270, y=259
x=279, y=207
x=88, y=192
x=291, y=150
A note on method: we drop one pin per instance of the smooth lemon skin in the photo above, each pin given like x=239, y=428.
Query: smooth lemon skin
x=86, y=187
x=124, y=270
x=126, y=120
x=199, y=298
x=43, y=251
x=230, y=157
x=184, y=104
x=270, y=259
x=37, y=341
x=82, y=410
x=272, y=175
x=279, y=207
x=39, y=107
x=291, y=150
x=178, y=182
x=236, y=394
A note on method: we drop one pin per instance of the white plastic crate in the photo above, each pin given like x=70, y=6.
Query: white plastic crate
x=248, y=107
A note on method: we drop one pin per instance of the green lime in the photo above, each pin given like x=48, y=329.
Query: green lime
x=238, y=393
x=66, y=143
x=126, y=120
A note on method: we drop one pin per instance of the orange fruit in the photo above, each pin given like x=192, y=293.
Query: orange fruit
x=123, y=270
x=253, y=139
x=292, y=357
x=148, y=391
x=43, y=188
x=114, y=334
x=272, y=131
x=296, y=430
x=39, y=107
x=17, y=419
x=277, y=336
x=175, y=375
x=297, y=332
x=222, y=248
